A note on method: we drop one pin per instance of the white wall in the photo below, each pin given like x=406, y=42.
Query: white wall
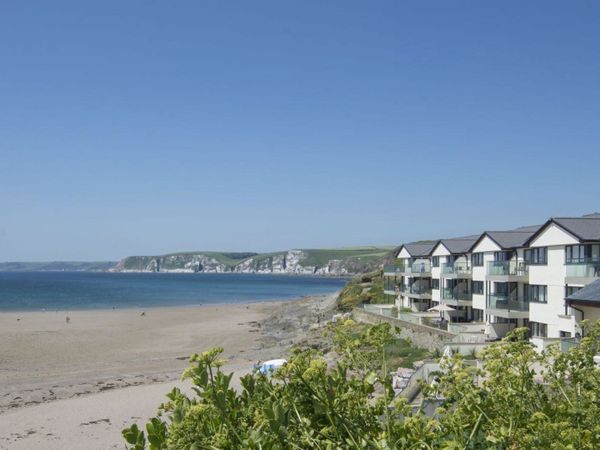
x=551, y=275
x=553, y=235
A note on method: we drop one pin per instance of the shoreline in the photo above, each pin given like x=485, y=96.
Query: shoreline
x=48, y=365
x=169, y=307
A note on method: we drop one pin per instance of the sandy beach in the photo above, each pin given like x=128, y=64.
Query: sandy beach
x=76, y=385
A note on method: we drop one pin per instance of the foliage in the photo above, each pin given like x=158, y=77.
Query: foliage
x=516, y=399
x=365, y=288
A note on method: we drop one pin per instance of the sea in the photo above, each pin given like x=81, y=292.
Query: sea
x=66, y=291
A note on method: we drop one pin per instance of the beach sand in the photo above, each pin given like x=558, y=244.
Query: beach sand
x=76, y=385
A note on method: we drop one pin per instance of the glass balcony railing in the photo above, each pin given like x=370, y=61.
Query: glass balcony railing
x=508, y=302
x=456, y=268
x=508, y=268
x=584, y=269
x=456, y=294
x=416, y=268
x=391, y=268
x=415, y=289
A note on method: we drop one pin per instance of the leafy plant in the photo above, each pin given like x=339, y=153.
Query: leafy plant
x=517, y=399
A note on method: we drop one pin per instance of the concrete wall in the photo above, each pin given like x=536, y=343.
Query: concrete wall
x=420, y=335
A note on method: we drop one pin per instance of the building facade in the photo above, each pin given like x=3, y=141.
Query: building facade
x=505, y=279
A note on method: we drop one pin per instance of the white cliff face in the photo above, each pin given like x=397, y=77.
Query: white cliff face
x=334, y=267
x=280, y=263
x=293, y=263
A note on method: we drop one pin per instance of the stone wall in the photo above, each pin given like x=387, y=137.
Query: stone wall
x=420, y=335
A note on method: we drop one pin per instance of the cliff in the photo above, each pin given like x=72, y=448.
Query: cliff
x=334, y=262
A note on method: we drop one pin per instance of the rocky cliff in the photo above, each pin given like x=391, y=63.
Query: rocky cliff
x=333, y=262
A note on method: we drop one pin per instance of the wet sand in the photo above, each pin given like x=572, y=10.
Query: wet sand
x=77, y=384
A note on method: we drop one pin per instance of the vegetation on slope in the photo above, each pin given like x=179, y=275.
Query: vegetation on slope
x=366, y=255
x=500, y=404
x=366, y=288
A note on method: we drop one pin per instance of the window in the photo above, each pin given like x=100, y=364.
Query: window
x=477, y=315
x=538, y=329
x=536, y=255
x=477, y=287
x=477, y=259
x=435, y=261
x=575, y=254
x=435, y=283
x=536, y=293
x=501, y=256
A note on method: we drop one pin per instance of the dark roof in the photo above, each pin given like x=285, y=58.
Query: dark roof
x=459, y=245
x=506, y=239
x=421, y=248
x=532, y=228
x=586, y=228
x=595, y=215
x=590, y=293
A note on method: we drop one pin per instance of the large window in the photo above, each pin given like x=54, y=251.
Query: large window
x=435, y=283
x=502, y=256
x=576, y=254
x=477, y=287
x=536, y=255
x=536, y=293
x=538, y=329
x=477, y=259
x=435, y=261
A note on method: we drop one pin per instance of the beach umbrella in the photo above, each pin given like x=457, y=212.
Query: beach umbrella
x=442, y=308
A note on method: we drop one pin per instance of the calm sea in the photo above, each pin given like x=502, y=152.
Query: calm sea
x=35, y=291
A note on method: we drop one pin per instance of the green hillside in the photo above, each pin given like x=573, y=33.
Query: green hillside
x=320, y=257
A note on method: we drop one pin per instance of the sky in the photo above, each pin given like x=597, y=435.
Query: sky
x=147, y=127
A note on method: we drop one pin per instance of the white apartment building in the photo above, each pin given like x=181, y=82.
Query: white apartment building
x=451, y=274
x=414, y=276
x=528, y=276
x=562, y=257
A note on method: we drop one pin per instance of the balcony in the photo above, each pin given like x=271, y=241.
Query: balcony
x=583, y=272
x=416, y=291
x=457, y=297
x=457, y=270
x=507, y=306
x=418, y=269
x=391, y=270
x=504, y=271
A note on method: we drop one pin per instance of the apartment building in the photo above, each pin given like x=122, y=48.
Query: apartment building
x=414, y=271
x=451, y=274
x=500, y=274
x=529, y=276
x=562, y=257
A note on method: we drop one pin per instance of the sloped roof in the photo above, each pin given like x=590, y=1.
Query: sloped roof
x=421, y=248
x=590, y=293
x=585, y=228
x=459, y=245
x=506, y=239
x=532, y=228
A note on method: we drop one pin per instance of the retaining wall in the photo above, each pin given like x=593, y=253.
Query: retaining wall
x=421, y=336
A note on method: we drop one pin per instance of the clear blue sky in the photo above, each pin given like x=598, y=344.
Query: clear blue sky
x=137, y=127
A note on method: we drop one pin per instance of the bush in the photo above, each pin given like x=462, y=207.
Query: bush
x=307, y=404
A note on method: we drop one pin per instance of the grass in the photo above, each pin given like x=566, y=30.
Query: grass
x=320, y=257
x=403, y=354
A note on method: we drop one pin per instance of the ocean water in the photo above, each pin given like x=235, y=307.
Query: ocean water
x=36, y=291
